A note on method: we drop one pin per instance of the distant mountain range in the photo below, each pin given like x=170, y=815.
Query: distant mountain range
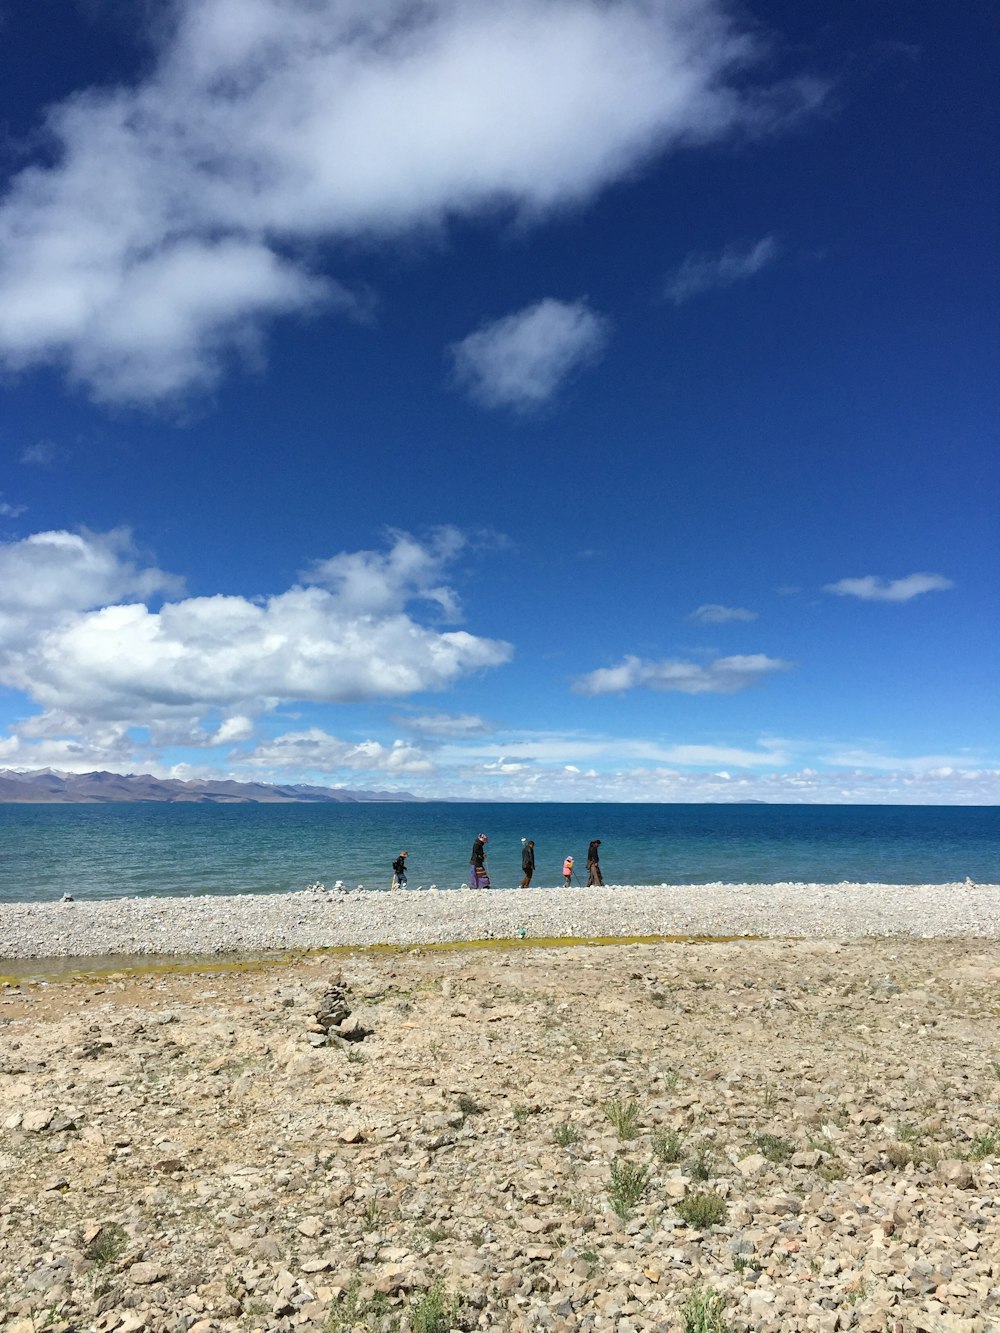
x=50, y=786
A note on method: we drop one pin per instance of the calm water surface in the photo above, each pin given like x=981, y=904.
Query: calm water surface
x=109, y=851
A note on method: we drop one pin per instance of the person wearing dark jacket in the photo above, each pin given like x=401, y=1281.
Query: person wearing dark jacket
x=594, y=876
x=480, y=879
x=527, y=863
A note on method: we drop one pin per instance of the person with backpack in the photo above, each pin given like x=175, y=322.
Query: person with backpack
x=480, y=878
x=527, y=863
x=399, y=871
x=594, y=877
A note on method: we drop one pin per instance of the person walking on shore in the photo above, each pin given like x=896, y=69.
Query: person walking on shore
x=480, y=879
x=594, y=876
x=399, y=871
x=527, y=863
x=568, y=871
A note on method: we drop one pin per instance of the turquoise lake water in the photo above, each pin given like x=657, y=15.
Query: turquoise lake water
x=109, y=851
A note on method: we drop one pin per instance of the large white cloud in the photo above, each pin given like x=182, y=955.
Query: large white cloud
x=81, y=654
x=173, y=215
x=872, y=588
x=522, y=359
x=725, y=675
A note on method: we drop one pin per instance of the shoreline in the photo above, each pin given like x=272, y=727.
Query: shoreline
x=254, y=924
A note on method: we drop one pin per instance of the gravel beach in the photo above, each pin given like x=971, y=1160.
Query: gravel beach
x=318, y=918
x=754, y=1136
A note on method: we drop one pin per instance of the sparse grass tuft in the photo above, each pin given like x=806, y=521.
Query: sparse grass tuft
x=899, y=1154
x=108, y=1244
x=522, y=1114
x=702, y=1312
x=469, y=1106
x=702, y=1164
x=702, y=1210
x=667, y=1145
x=434, y=1312
x=995, y=1066
x=985, y=1145
x=352, y=1313
x=628, y=1185
x=566, y=1134
x=624, y=1116
x=773, y=1147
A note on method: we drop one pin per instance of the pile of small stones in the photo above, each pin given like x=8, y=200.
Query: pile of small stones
x=787, y=1137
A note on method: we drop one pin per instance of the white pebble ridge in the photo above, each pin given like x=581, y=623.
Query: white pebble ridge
x=317, y=918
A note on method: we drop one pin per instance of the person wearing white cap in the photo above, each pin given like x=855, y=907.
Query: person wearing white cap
x=480, y=879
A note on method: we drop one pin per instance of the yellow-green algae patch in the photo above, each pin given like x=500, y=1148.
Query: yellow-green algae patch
x=33, y=970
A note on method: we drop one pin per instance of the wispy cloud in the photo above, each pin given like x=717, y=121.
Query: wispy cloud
x=713, y=614
x=8, y=510
x=725, y=675
x=171, y=219
x=450, y=725
x=521, y=360
x=43, y=453
x=704, y=272
x=871, y=588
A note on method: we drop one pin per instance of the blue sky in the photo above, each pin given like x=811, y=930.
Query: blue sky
x=556, y=400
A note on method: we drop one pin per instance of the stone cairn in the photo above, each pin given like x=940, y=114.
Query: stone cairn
x=334, y=1018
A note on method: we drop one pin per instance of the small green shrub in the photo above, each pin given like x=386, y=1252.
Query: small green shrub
x=773, y=1147
x=702, y=1209
x=667, y=1145
x=985, y=1145
x=566, y=1134
x=628, y=1185
x=624, y=1116
x=108, y=1244
x=702, y=1165
x=434, y=1312
x=702, y=1312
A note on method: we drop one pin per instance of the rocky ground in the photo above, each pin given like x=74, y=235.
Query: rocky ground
x=761, y=1135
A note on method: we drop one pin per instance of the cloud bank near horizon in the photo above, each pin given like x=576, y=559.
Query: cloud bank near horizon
x=176, y=216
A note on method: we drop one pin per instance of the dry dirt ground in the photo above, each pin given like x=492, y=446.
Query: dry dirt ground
x=752, y=1135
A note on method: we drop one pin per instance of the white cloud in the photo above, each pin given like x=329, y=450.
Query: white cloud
x=871, y=588
x=43, y=453
x=67, y=643
x=703, y=273
x=725, y=675
x=317, y=751
x=50, y=574
x=173, y=216
x=447, y=725
x=520, y=361
x=8, y=510
x=713, y=614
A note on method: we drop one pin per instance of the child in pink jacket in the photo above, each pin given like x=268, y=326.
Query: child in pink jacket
x=568, y=871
